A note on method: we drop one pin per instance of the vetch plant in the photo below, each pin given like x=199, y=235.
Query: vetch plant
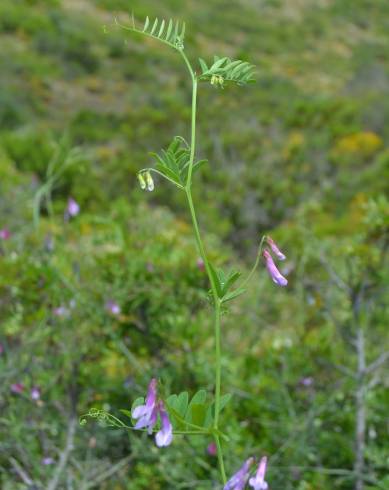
x=178, y=414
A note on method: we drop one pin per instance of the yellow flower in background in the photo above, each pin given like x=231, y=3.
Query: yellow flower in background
x=363, y=144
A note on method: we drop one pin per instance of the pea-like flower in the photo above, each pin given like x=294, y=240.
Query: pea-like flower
x=274, y=273
x=147, y=414
x=72, y=209
x=239, y=479
x=274, y=248
x=164, y=436
x=257, y=482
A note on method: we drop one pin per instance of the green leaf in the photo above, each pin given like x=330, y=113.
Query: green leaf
x=233, y=294
x=169, y=30
x=199, y=397
x=147, y=22
x=182, y=406
x=230, y=280
x=198, y=413
x=224, y=400
x=203, y=65
x=161, y=29
x=154, y=27
x=216, y=280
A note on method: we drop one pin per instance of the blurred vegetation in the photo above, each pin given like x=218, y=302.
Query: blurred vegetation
x=303, y=154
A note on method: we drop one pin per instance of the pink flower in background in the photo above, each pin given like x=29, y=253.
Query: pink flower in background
x=17, y=388
x=112, y=307
x=35, y=393
x=61, y=311
x=72, y=209
x=258, y=481
x=5, y=234
x=1, y=349
x=200, y=264
x=239, y=479
x=164, y=436
x=212, y=449
x=274, y=273
x=277, y=252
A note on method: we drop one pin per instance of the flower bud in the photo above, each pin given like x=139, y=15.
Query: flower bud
x=142, y=182
x=149, y=182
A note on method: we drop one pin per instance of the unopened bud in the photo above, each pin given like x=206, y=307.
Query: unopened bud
x=149, y=181
x=142, y=182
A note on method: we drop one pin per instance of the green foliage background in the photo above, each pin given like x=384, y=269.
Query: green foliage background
x=303, y=155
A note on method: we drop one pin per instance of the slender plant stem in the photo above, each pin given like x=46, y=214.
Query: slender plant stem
x=203, y=254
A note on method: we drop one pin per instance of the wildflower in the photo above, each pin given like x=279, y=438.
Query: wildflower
x=275, y=249
x=5, y=234
x=258, y=481
x=47, y=460
x=274, y=273
x=112, y=307
x=72, y=209
x=164, y=436
x=149, y=181
x=308, y=381
x=142, y=181
x=1, y=349
x=239, y=480
x=17, y=388
x=35, y=393
x=200, y=264
x=147, y=414
x=61, y=311
x=212, y=449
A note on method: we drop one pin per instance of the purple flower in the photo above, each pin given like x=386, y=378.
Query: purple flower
x=47, y=460
x=5, y=234
x=72, y=209
x=277, y=252
x=17, y=388
x=1, y=349
x=147, y=414
x=164, y=436
x=308, y=381
x=112, y=307
x=258, y=481
x=274, y=273
x=239, y=480
x=212, y=449
x=35, y=393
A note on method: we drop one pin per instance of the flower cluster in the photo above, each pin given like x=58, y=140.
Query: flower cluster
x=147, y=416
x=239, y=479
x=274, y=273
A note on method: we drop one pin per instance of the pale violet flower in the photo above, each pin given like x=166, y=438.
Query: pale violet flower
x=257, y=482
x=147, y=414
x=112, y=307
x=277, y=252
x=164, y=436
x=72, y=209
x=47, y=460
x=239, y=479
x=35, y=393
x=274, y=273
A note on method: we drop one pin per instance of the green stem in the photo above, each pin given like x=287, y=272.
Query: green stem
x=259, y=253
x=200, y=245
